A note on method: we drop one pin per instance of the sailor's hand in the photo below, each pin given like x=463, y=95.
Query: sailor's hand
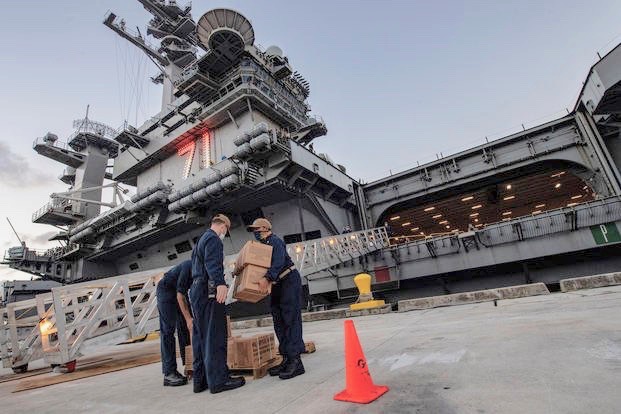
x=188, y=323
x=221, y=292
x=263, y=285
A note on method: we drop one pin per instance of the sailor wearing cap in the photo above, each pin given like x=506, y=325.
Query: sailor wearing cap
x=174, y=315
x=207, y=295
x=285, y=301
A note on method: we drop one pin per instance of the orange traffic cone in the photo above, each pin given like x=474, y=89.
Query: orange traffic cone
x=359, y=387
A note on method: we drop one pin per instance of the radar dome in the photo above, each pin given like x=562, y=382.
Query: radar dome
x=273, y=51
x=225, y=31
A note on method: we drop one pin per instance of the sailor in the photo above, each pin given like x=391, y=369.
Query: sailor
x=388, y=229
x=285, y=301
x=207, y=295
x=174, y=315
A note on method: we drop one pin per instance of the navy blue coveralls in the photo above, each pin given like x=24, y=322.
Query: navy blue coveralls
x=177, y=279
x=209, y=327
x=285, y=300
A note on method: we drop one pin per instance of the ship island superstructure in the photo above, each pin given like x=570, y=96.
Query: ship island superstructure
x=235, y=134
x=232, y=136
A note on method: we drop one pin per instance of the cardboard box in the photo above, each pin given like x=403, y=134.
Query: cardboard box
x=230, y=352
x=251, y=352
x=254, y=253
x=188, y=361
x=246, y=288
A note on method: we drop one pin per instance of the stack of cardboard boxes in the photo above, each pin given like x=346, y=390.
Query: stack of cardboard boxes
x=259, y=350
x=252, y=263
x=242, y=352
x=251, y=352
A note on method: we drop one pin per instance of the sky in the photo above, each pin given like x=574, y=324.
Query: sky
x=397, y=82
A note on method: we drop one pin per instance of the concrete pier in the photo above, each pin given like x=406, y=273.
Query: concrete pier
x=555, y=353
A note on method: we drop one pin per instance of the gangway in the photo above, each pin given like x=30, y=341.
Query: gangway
x=57, y=325
x=314, y=256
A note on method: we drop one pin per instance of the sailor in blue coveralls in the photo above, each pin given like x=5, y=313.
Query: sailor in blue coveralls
x=207, y=295
x=174, y=314
x=285, y=301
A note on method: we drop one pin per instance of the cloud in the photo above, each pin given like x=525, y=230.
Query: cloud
x=40, y=239
x=33, y=241
x=16, y=172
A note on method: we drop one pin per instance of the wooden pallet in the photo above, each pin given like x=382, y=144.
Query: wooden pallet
x=126, y=357
x=250, y=373
x=257, y=372
x=46, y=370
x=254, y=373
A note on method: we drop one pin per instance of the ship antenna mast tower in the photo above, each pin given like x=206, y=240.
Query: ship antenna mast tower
x=174, y=28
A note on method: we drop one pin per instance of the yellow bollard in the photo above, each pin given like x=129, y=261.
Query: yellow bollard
x=363, y=283
x=365, y=298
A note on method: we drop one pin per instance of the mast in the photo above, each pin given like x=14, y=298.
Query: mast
x=16, y=235
x=174, y=28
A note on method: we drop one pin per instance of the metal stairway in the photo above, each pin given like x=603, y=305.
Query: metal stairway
x=56, y=326
x=313, y=256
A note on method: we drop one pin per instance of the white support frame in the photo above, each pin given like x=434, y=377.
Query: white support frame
x=88, y=310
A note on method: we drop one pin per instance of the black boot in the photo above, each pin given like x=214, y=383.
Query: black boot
x=200, y=386
x=231, y=384
x=174, y=380
x=274, y=371
x=179, y=375
x=293, y=369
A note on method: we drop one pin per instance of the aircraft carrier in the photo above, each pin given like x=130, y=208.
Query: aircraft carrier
x=235, y=134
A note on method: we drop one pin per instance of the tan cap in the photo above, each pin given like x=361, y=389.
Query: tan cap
x=260, y=222
x=223, y=218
